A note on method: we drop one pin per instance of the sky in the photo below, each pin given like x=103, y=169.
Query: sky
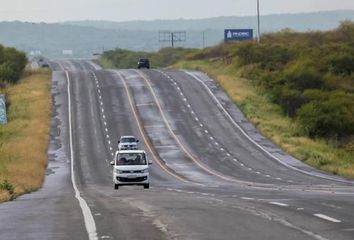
x=126, y=10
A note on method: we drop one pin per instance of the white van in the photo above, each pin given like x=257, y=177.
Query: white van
x=130, y=167
x=127, y=143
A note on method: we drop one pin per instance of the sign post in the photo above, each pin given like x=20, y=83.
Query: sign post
x=168, y=36
x=238, y=34
x=3, y=118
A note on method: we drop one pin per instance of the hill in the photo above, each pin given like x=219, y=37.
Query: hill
x=318, y=21
x=88, y=37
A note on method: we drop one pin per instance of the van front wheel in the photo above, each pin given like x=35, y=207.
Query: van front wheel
x=147, y=186
x=116, y=186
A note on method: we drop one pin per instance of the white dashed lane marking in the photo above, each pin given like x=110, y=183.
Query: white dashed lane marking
x=279, y=204
x=325, y=217
x=247, y=198
x=206, y=131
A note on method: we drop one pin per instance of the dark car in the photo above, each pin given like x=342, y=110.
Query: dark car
x=143, y=63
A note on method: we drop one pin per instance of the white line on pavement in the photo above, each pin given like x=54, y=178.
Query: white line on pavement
x=88, y=218
x=325, y=217
x=279, y=204
x=247, y=198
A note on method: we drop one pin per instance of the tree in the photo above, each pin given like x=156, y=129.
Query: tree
x=12, y=64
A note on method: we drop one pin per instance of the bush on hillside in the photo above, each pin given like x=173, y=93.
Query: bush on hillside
x=268, y=57
x=333, y=117
x=289, y=99
x=303, y=78
x=342, y=63
x=168, y=56
x=345, y=31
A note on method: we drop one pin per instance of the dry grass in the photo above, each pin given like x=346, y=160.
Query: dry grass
x=270, y=121
x=24, y=140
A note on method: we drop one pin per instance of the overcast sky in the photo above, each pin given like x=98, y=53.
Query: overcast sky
x=125, y=10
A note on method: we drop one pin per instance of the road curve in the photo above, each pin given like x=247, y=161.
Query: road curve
x=214, y=176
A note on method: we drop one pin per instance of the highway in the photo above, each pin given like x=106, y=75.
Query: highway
x=213, y=175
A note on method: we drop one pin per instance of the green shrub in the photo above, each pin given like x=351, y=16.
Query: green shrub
x=303, y=78
x=330, y=118
x=7, y=73
x=269, y=57
x=342, y=63
x=290, y=100
x=12, y=64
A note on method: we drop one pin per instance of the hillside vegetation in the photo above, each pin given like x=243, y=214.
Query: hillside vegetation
x=297, y=88
x=310, y=76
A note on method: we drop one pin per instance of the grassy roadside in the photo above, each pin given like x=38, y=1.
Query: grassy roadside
x=272, y=123
x=24, y=140
x=105, y=63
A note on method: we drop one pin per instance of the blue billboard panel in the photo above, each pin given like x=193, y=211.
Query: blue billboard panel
x=3, y=118
x=238, y=34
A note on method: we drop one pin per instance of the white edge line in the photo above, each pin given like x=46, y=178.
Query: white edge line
x=325, y=217
x=254, y=142
x=88, y=218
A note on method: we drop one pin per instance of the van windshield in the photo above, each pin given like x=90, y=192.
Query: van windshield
x=131, y=159
x=128, y=140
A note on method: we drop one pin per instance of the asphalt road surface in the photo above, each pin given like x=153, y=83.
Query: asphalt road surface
x=213, y=177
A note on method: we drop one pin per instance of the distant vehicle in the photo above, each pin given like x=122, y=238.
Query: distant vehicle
x=45, y=65
x=130, y=167
x=143, y=63
x=128, y=143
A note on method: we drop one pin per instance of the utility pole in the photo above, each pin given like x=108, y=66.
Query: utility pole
x=172, y=39
x=259, y=24
x=203, y=39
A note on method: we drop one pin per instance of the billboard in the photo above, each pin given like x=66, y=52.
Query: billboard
x=238, y=34
x=67, y=52
x=3, y=118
